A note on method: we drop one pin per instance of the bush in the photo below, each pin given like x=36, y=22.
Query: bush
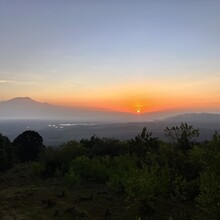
x=141, y=182
x=107, y=146
x=73, y=178
x=120, y=166
x=89, y=169
x=37, y=168
x=147, y=184
x=59, y=159
x=208, y=201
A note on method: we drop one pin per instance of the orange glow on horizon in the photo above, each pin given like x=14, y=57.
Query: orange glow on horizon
x=137, y=98
x=137, y=107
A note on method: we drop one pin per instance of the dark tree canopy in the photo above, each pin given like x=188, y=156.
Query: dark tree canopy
x=6, y=153
x=28, y=145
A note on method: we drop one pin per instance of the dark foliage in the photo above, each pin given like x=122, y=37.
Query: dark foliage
x=182, y=134
x=28, y=146
x=6, y=153
x=144, y=170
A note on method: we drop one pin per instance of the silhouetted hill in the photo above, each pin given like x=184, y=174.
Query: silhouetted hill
x=27, y=108
x=195, y=117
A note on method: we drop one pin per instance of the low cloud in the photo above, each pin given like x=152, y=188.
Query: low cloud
x=7, y=81
x=16, y=82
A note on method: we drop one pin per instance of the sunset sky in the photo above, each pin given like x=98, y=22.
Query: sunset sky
x=120, y=55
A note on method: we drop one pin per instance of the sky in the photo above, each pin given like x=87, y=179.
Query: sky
x=118, y=55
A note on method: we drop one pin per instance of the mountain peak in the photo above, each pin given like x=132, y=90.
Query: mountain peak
x=21, y=100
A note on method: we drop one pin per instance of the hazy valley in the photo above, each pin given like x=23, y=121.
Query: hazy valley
x=58, y=124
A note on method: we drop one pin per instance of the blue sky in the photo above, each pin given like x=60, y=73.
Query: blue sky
x=83, y=52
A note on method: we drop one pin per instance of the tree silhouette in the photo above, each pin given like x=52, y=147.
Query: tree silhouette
x=182, y=134
x=28, y=145
x=6, y=153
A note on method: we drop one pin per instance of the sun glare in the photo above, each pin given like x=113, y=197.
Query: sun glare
x=138, y=111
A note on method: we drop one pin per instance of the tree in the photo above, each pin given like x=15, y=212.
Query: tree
x=182, y=134
x=28, y=145
x=145, y=138
x=6, y=153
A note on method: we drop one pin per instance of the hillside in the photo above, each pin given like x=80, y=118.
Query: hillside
x=103, y=179
x=195, y=118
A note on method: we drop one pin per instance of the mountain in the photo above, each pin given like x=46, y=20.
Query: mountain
x=195, y=118
x=27, y=108
x=59, y=124
x=21, y=100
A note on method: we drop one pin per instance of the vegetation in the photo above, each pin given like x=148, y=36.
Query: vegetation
x=178, y=179
x=28, y=145
x=6, y=153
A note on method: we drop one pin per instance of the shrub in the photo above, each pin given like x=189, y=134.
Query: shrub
x=73, y=178
x=208, y=201
x=89, y=169
x=107, y=146
x=140, y=182
x=37, y=168
x=59, y=159
x=120, y=166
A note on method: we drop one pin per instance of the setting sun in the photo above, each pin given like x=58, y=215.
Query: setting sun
x=138, y=111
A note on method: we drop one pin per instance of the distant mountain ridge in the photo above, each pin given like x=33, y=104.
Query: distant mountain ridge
x=24, y=107
x=195, y=117
x=22, y=113
x=27, y=108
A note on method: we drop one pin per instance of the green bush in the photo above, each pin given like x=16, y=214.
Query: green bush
x=59, y=159
x=147, y=184
x=73, y=178
x=89, y=169
x=208, y=201
x=119, y=168
x=140, y=182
